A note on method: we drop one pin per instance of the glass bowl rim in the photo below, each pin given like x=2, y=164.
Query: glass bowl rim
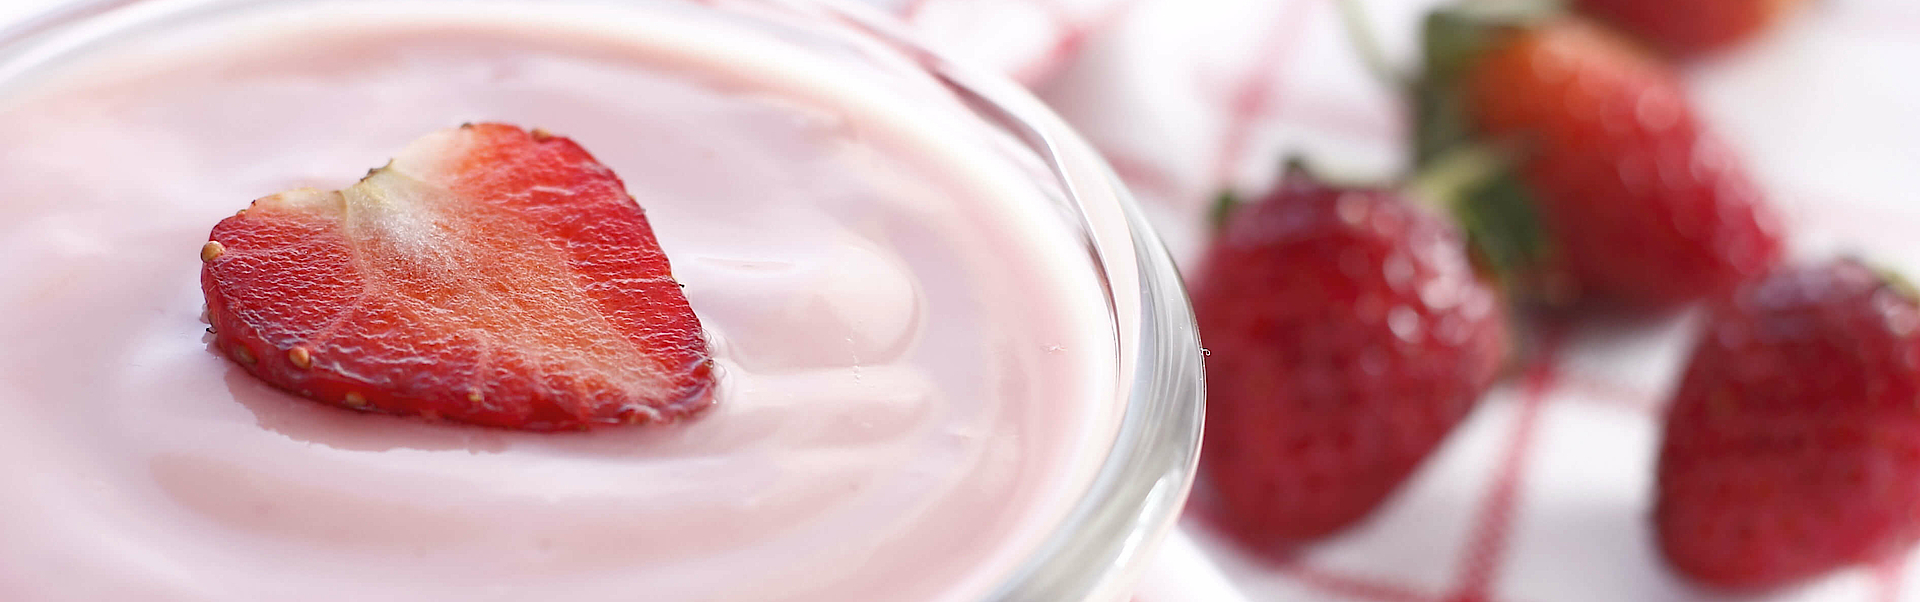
x=1137, y=493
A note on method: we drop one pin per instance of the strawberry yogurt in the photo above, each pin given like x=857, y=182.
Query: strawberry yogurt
x=918, y=367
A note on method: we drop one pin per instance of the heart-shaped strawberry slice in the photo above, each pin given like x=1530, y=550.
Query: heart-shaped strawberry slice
x=487, y=275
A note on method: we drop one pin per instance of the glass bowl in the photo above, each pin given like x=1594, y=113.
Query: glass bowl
x=1135, y=494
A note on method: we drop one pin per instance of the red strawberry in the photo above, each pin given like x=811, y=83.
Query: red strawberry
x=1793, y=444
x=1687, y=28
x=486, y=275
x=1622, y=194
x=1348, y=335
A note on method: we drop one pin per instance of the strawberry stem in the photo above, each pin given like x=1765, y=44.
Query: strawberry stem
x=1477, y=186
x=1894, y=280
x=1360, y=33
x=1440, y=183
x=1222, y=209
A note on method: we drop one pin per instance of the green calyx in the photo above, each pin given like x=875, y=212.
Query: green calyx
x=1222, y=209
x=1452, y=40
x=1475, y=181
x=1454, y=35
x=1226, y=202
x=1481, y=190
x=1895, y=281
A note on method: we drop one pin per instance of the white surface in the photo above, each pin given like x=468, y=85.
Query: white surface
x=12, y=11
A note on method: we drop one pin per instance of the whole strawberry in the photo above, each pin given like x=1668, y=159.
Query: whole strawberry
x=1616, y=191
x=1686, y=28
x=1348, y=335
x=1793, y=444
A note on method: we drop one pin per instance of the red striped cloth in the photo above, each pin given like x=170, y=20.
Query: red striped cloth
x=1543, y=493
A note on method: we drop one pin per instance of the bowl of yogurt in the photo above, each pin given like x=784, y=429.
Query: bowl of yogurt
x=955, y=362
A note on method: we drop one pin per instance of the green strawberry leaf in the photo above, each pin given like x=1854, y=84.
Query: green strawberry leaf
x=1894, y=280
x=1439, y=121
x=1501, y=224
x=1222, y=209
x=1480, y=188
x=1469, y=178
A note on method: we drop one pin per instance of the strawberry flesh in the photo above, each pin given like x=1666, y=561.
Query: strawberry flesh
x=487, y=275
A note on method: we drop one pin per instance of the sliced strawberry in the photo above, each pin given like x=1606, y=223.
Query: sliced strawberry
x=486, y=275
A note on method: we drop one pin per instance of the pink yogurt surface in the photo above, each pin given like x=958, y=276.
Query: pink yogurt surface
x=918, y=370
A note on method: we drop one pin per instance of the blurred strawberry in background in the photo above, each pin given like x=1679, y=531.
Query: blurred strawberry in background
x=1623, y=193
x=1688, y=28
